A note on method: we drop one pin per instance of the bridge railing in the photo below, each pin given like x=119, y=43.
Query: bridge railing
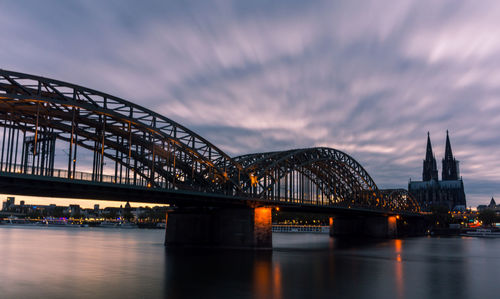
x=87, y=176
x=72, y=175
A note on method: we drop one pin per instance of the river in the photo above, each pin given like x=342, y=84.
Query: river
x=37, y=262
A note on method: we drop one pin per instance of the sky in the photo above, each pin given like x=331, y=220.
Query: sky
x=370, y=78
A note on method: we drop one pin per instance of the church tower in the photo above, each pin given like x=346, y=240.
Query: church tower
x=431, y=192
x=430, y=171
x=450, y=165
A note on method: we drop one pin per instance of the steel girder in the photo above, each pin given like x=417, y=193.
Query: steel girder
x=260, y=163
x=151, y=150
x=340, y=178
x=400, y=199
x=151, y=147
x=342, y=175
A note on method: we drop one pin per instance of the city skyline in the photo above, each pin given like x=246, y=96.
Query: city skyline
x=254, y=77
x=83, y=203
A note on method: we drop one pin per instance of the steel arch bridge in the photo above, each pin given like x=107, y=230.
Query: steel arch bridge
x=108, y=140
x=318, y=176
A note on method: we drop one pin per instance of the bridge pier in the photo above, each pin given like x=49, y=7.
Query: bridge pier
x=246, y=227
x=366, y=226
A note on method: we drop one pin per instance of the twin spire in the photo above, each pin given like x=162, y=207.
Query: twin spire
x=428, y=154
x=450, y=165
x=430, y=171
x=448, y=155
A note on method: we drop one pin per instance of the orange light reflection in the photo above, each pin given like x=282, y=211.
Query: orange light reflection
x=277, y=291
x=398, y=245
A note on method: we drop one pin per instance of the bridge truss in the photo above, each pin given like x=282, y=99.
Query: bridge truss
x=52, y=128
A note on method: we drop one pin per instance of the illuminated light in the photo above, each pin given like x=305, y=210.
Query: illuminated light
x=330, y=221
x=74, y=160
x=149, y=185
x=253, y=180
x=397, y=217
x=262, y=218
x=277, y=209
x=277, y=285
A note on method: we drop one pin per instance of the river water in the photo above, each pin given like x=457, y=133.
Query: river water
x=132, y=263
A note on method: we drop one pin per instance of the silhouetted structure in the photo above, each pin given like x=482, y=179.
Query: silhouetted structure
x=450, y=165
x=448, y=192
x=131, y=152
x=430, y=171
x=492, y=206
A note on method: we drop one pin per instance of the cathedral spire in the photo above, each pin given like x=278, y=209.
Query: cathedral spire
x=448, y=155
x=450, y=165
x=430, y=167
x=428, y=153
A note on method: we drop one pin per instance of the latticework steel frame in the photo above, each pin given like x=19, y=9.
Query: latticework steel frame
x=146, y=148
x=136, y=146
x=319, y=176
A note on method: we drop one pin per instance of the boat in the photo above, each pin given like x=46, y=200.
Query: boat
x=483, y=233
x=301, y=229
x=106, y=224
x=127, y=225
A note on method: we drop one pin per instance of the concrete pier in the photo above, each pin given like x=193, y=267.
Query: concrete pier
x=220, y=227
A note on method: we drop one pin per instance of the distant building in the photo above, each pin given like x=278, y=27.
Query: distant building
x=449, y=192
x=8, y=204
x=74, y=210
x=492, y=206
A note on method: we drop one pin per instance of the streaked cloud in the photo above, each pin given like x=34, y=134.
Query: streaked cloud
x=369, y=78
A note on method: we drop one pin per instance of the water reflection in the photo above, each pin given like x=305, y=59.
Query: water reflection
x=85, y=263
x=262, y=278
x=449, y=269
x=277, y=291
x=218, y=273
x=399, y=268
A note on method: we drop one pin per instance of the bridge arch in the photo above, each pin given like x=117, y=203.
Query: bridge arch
x=338, y=176
x=321, y=176
x=130, y=144
x=144, y=147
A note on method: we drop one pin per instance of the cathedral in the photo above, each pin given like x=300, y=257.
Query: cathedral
x=449, y=192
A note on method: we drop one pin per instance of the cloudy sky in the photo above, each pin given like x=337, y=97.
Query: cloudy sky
x=367, y=77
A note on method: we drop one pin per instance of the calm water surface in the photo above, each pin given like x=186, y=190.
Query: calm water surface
x=113, y=263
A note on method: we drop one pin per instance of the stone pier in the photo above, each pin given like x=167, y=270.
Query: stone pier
x=220, y=227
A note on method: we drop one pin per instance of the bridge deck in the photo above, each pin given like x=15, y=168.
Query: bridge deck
x=34, y=185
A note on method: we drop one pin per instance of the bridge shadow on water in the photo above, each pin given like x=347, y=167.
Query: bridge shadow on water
x=316, y=266
x=216, y=273
x=311, y=269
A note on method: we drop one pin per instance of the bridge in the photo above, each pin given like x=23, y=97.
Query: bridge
x=64, y=140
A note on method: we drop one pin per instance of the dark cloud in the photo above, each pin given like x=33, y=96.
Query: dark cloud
x=367, y=78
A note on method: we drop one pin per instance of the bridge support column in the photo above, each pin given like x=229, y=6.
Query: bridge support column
x=220, y=227
x=368, y=226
